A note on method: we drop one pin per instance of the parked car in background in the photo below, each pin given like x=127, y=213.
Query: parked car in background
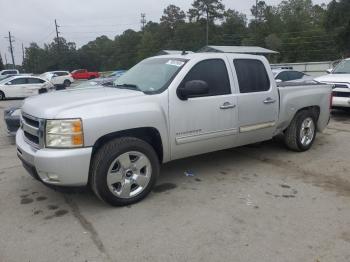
x=23, y=86
x=12, y=118
x=339, y=77
x=164, y=108
x=108, y=81
x=9, y=72
x=84, y=74
x=284, y=75
x=60, y=79
x=116, y=74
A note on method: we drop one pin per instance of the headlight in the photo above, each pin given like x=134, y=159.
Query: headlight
x=16, y=112
x=65, y=133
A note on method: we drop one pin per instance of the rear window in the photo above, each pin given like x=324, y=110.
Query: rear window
x=35, y=81
x=252, y=75
x=9, y=72
x=61, y=73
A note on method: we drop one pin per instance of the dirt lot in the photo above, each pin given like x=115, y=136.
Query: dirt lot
x=256, y=203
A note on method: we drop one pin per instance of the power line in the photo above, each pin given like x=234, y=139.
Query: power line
x=100, y=25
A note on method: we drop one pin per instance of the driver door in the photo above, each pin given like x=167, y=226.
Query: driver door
x=208, y=122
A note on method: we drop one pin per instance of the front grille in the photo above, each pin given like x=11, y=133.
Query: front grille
x=32, y=138
x=340, y=86
x=341, y=94
x=31, y=121
x=33, y=129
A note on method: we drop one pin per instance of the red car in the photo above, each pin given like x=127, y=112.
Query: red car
x=84, y=74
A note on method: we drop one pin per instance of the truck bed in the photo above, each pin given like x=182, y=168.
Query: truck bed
x=293, y=96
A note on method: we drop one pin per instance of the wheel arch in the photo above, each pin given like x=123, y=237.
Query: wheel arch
x=148, y=134
x=315, y=110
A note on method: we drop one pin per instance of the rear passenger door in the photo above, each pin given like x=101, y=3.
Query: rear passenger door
x=33, y=86
x=258, y=102
x=204, y=123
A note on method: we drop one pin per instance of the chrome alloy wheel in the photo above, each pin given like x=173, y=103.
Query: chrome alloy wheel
x=129, y=174
x=307, y=131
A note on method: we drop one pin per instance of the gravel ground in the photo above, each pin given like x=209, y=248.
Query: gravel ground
x=254, y=203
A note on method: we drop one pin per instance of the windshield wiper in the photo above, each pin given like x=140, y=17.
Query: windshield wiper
x=129, y=86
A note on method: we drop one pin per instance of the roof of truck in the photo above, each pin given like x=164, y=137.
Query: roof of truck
x=206, y=55
x=237, y=49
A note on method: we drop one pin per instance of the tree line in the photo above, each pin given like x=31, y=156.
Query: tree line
x=298, y=29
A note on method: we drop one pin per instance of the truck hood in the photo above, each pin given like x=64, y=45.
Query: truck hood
x=334, y=78
x=49, y=105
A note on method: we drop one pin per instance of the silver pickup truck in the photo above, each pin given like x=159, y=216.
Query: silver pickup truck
x=164, y=108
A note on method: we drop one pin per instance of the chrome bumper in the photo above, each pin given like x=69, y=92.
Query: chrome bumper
x=341, y=101
x=62, y=167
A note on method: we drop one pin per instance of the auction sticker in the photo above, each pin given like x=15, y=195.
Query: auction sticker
x=175, y=63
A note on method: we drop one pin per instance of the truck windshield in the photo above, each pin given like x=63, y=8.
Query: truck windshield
x=151, y=75
x=342, y=68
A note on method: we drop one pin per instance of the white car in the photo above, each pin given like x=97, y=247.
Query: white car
x=59, y=78
x=340, y=78
x=23, y=86
x=9, y=72
x=286, y=75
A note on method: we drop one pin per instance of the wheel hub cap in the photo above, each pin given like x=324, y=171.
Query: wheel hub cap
x=307, y=131
x=129, y=174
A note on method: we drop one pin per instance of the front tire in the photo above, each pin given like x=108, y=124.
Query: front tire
x=301, y=133
x=124, y=171
x=2, y=96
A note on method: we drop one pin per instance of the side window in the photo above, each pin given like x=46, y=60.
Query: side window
x=284, y=76
x=35, y=81
x=252, y=75
x=295, y=75
x=214, y=72
x=18, y=81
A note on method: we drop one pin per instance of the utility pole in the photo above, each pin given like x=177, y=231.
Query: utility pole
x=22, y=53
x=5, y=61
x=256, y=22
x=57, y=33
x=207, y=28
x=11, y=49
x=143, y=21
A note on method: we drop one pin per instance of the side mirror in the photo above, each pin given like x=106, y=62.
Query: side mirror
x=279, y=81
x=8, y=83
x=329, y=71
x=54, y=75
x=192, y=89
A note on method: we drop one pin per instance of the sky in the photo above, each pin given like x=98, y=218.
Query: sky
x=81, y=21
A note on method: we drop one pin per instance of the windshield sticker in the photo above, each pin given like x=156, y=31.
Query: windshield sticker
x=175, y=63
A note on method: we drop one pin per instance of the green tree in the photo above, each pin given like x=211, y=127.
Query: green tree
x=337, y=22
x=172, y=16
x=208, y=9
x=234, y=28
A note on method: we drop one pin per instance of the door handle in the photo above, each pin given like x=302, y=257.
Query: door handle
x=227, y=105
x=269, y=100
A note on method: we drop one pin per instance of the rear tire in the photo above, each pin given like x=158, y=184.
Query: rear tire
x=67, y=83
x=2, y=96
x=301, y=133
x=124, y=171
